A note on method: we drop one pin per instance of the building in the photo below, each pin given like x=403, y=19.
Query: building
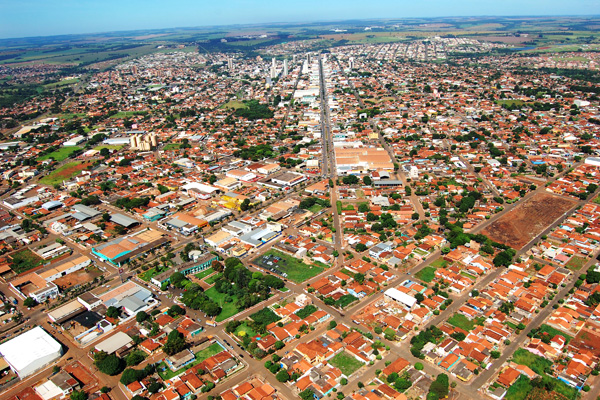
x=31, y=351
x=400, y=297
x=120, y=250
x=115, y=343
x=34, y=286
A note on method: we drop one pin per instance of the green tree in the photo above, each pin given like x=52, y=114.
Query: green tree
x=175, y=343
x=367, y=180
x=29, y=302
x=141, y=316
x=113, y=312
x=282, y=375
x=78, y=395
x=176, y=279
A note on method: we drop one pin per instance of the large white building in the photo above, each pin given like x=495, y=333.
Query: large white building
x=400, y=297
x=31, y=351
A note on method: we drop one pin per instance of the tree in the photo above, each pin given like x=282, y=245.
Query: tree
x=367, y=180
x=363, y=208
x=108, y=364
x=29, y=302
x=361, y=247
x=155, y=387
x=307, y=394
x=279, y=345
x=104, y=389
x=134, y=358
x=350, y=180
x=175, y=311
x=78, y=395
x=176, y=279
x=245, y=205
x=175, y=343
x=141, y=316
x=113, y=312
x=282, y=375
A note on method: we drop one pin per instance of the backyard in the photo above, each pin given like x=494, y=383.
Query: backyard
x=346, y=363
x=165, y=373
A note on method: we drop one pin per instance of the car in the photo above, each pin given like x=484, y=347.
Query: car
x=241, y=356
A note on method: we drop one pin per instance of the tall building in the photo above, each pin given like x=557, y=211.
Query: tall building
x=351, y=63
x=308, y=57
x=143, y=143
x=285, y=67
x=230, y=63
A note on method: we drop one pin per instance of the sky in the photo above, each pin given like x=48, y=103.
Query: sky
x=25, y=18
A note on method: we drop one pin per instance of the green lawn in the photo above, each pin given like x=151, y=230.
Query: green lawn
x=346, y=363
x=246, y=329
x=204, y=273
x=213, y=278
x=315, y=208
x=228, y=309
x=24, y=260
x=61, y=154
x=338, y=206
x=172, y=146
x=520, y=389
x=427, y=274
x=439, y=263
x=296, y=270
x=202, y=355
x=460, y=321
x=147, y=275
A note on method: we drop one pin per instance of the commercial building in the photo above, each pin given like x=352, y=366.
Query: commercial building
x=31, y=351
x=34, y=286
x=120, y=250
x=362, y=160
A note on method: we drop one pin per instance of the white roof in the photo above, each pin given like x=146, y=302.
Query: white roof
x=401, y=297
x=28, y=348
x=200, y=186
x=114, y=343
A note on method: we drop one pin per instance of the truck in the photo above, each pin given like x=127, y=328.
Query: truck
x=13, y=300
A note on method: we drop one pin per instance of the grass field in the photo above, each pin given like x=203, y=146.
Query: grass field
x=61, y=154
x=542, y=367
x=315, y=208
x=460, y=321
x=234, y=104
x=575, y=263
x=520, y=389
x=24, y=260
x=172, y=146
x=296, y=270
x=346, y=363
x=553, y=332
x=109, y=146
x=64, y=82
x=64, y=173
x=427, y=274
x=439, y=263
x=227, y=309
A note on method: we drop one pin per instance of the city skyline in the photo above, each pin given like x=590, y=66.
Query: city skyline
x=37, y=18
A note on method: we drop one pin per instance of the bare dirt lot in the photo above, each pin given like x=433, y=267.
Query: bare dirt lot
x=527, y=220
x=77, y=278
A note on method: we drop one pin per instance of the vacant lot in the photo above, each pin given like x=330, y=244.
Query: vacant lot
x=64, y=173
x=24, y=260
x=346, y=363
x=523, y=223
x=462, y=322
x=427, y=274
x=288, y=266
x=61, y=154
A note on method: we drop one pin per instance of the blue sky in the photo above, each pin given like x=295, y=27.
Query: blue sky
x=22, y=18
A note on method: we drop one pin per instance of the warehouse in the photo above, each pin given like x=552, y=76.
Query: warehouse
x=31, y=351
x=400, y=297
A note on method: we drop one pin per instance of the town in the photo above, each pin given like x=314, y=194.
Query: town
x=359, y=221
